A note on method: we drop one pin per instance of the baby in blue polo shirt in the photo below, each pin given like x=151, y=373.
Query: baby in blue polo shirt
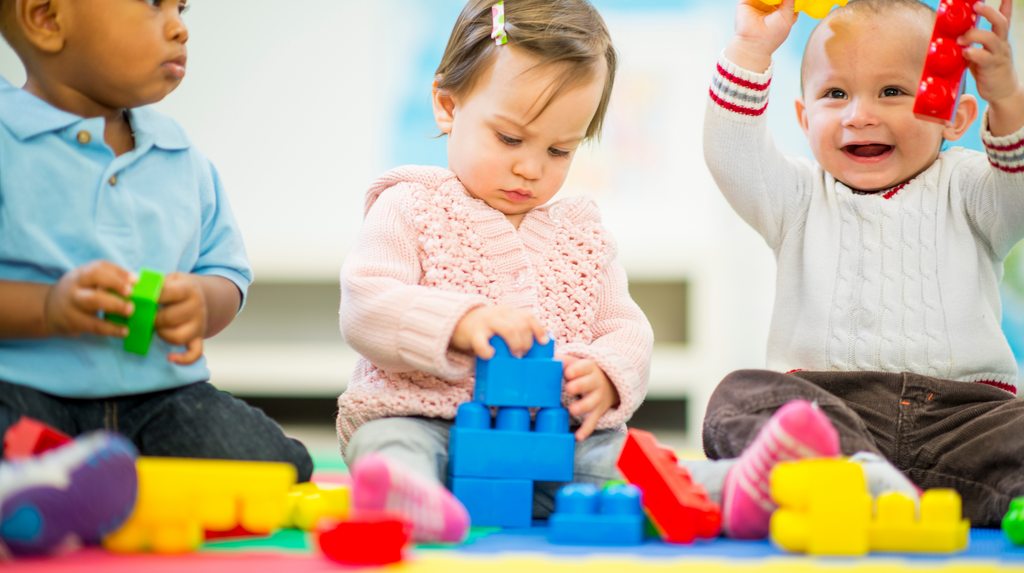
x=93, y=186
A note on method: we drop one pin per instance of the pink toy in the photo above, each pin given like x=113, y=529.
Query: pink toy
x=945, y=67
x=29, y=437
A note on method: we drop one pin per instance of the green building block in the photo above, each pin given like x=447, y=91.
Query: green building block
x=145, y=295
x=1013, y=521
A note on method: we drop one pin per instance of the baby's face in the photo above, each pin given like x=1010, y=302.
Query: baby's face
x=124, y=53
x=860, y=79
x=502, y=151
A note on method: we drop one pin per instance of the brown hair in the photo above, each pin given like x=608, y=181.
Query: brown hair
x=557, y=31
x=6, y=19
x=867, y=8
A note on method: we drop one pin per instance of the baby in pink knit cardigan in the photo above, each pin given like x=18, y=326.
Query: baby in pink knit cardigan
x=448, y=258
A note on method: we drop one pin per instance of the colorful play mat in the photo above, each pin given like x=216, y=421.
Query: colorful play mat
x=523, y=550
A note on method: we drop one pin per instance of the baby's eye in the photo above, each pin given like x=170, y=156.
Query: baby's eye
x=508, y=140
x=183, y=8
x=892, y=92
x=554, y=151
x=835, y=93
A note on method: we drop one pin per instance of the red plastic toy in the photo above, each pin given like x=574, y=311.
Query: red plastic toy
x=30, y=437
x=945, y=67
x=364, y=539
x=679, y=508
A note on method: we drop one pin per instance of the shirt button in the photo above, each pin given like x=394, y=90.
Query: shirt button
x=519, y=279
x=113, y=180
x=84, y=137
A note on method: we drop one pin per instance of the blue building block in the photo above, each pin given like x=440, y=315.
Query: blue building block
x=495, y=502
x=510, y=450
x=533, y=381
x=585, y=516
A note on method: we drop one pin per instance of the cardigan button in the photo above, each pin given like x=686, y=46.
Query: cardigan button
x=84, y=137
x=519, y=279
x=556, y=213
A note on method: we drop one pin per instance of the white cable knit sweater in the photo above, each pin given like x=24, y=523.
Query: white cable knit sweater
x=905, y=280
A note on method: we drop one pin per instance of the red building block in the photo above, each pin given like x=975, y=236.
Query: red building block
x=679, y=508
x=364, y=539
x=945, y=66
x=29, y=437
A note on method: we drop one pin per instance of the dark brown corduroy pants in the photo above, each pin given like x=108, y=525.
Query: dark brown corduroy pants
x=967, y=436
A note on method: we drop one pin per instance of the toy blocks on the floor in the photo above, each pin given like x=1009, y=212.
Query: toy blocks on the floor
x=510, y=450
x=146, y=296
x=492, y=464
x=495, y=502
x=1013, y=521
x=28, y=437
x=945, y=67
x=679, y=509
x=181, y=498
x=308, y=503
x=816, y=9
x=825, y=509
x=533, y=381
x=366, y=538
x=585, y=515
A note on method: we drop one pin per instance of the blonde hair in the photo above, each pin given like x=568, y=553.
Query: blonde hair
x=569, y=32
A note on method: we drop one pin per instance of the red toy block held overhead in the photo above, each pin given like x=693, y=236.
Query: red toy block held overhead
x=679, y=508
x=366, y=538
x=30, y=437
x=945, y=67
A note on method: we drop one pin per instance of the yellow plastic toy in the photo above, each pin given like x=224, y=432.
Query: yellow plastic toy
x=308, y=502
x=825, y=509
x=181, y=498
x=816, y=9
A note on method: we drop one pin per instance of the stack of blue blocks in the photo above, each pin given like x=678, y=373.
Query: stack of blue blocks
x=586, y=516
x=493, y=467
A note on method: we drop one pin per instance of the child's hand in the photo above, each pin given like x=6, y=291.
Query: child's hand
x=517, y=327
x=72, y=304
x=760, y=30
x=992, y=67
x=181, y=319
x=585, y=378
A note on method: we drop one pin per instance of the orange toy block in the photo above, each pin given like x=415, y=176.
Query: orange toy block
x=679, y=508
x=179, y=499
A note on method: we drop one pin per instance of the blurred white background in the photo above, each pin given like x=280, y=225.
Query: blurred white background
x=301, y=105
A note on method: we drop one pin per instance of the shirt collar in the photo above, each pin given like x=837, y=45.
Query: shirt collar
x=28, y=116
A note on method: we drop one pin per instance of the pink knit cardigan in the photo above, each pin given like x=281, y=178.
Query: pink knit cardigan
x=429, y=252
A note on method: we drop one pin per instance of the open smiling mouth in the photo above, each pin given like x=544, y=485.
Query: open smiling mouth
x=868, y=151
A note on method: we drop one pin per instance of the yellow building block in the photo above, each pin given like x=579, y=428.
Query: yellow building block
x=308, y=502
x=179, y=499
x=817, y=9
x=940, y=529
x=825, y=509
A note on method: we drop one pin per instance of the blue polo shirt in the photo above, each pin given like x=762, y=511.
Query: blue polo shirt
x=66, y=200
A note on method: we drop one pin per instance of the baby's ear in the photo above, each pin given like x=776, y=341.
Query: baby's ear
x=801, y=114
x=966, y=113
x=444, y=108
x=42, y=23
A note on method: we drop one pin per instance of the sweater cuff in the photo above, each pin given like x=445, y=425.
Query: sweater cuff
x=740, y=91
x=426, y=332
x=622, y=375
x=1004, y=153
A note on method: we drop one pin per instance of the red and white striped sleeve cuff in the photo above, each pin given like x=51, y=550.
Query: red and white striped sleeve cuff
x=740, y=91
x=1004, y=153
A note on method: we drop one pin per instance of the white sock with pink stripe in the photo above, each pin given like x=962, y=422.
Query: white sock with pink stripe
x=383, y=484
x=796, y=431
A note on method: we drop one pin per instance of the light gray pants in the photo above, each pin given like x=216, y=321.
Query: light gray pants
x=421, y=444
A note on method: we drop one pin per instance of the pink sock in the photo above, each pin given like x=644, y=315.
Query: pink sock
x=796, y=431
x=382, y=484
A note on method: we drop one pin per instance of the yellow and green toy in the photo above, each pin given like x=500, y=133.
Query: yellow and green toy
x=145, y=295
x=816, y=9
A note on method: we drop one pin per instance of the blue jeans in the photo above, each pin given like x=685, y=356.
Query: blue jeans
x=421, y=444
x=193, y=421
